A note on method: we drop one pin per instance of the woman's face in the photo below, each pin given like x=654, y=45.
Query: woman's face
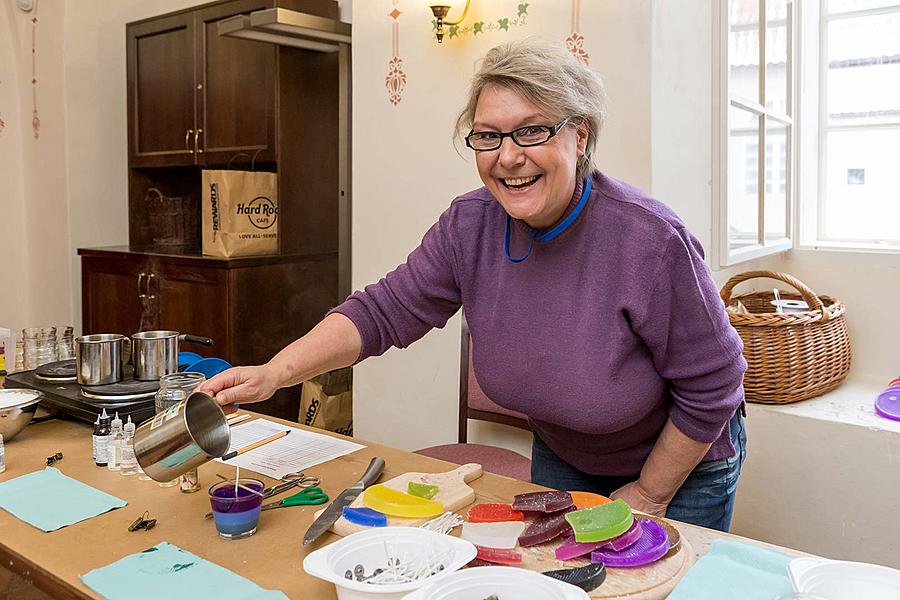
x=534, y=184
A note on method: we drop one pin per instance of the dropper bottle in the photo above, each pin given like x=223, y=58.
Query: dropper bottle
x=129, y=461
x=101, y=436
x=94, y=439
x=114, y=450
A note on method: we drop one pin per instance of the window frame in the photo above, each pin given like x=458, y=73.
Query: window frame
x=722, y=102
x=819, y=237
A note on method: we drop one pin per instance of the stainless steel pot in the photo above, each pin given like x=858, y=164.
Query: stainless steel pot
x=155, y=353
x=17, y=406
x=99, y=358
x=182, y=437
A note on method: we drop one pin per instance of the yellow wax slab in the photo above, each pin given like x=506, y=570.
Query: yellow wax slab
x=399, y=504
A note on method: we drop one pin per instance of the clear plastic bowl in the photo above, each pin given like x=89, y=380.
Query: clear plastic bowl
x=479, y=583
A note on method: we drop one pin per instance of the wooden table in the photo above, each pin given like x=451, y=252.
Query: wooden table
x=271, y=558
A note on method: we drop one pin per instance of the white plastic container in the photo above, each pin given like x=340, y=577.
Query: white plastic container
x=843, y=580
x=370, y=549
x=479, y=583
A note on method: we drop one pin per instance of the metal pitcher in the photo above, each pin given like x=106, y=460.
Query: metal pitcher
x=99, y=358
x=155, y=353
x=182, y=438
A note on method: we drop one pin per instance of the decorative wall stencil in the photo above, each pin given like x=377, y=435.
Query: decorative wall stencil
x=396, y=77
x=35, y=120
x=575, y=42
x=480, y=27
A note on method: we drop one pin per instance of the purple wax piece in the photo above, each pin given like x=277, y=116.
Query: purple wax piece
x=236, y=516
x=546, y=502
x=652, y=546
x=571, y=549
x=628, y=538
x=545, y=528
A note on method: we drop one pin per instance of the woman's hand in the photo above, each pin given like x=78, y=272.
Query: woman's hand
x=638, y=499
x=242, y=384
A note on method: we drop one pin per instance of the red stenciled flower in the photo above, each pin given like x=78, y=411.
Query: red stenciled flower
x=395, y=80
x=575, y=44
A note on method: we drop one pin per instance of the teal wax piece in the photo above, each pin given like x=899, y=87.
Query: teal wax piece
x=49, y=500
x=167, y=571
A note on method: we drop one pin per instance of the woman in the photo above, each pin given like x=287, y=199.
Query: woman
x=588, y=302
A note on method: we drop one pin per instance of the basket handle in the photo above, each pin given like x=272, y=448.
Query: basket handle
x=156, y=191
x=807, y=294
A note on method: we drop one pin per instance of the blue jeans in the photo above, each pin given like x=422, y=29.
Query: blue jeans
x=706, y=498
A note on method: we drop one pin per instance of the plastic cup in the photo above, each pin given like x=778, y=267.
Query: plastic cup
x=236, y=517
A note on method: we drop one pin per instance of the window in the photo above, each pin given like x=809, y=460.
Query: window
x=754, y=144
x=858, y=199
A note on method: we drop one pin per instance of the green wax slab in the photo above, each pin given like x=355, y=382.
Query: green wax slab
x=602, y=522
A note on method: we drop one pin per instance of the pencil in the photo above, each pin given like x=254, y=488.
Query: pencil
x=255, y=445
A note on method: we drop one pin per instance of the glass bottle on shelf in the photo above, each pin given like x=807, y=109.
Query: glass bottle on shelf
x=174, y=388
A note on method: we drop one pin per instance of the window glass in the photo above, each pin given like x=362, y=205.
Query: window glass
x=863, y=185
x=743, y=178
x=743, y=50
x=776, y=178
x=777, y=42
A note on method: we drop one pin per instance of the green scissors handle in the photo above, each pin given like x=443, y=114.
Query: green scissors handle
x=305, y=497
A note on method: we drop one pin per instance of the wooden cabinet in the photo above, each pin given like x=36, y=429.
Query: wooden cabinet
x=251, y=307
x=198, y=98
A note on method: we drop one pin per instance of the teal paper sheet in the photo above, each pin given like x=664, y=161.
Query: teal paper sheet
x=735, y=570
x=49, y=500
x=167, y=571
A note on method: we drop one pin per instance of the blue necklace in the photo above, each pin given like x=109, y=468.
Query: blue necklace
x=545, y=236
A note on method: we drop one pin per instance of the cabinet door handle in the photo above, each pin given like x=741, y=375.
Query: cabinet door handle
x=197, y=148
x=187, y=140
x=140, y=278
x=149, y=279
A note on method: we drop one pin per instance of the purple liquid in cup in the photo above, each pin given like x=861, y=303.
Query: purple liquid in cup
x=236, y=517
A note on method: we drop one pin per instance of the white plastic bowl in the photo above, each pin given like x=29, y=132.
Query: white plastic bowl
x=507, y=582
x=842, y=580
x=368, y=549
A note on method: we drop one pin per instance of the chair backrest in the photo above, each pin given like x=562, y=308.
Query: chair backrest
x=473, y=402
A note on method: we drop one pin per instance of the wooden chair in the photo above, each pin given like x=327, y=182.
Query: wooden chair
x=474, y=404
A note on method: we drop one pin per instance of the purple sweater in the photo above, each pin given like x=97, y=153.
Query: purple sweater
x=600, y=336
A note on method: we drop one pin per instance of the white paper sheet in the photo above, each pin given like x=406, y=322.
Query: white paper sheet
x=297, y=451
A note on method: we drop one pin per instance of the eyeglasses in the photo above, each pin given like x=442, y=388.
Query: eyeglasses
x=530, y=135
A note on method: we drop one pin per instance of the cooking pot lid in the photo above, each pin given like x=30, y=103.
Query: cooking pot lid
x=60, y=370
x=123, y=388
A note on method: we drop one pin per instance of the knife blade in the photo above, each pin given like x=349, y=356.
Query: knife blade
x=325, y=520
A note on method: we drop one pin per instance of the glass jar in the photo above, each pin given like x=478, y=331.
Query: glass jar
x=174, y=388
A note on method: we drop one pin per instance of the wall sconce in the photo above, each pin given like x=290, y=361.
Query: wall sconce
x=440, y=13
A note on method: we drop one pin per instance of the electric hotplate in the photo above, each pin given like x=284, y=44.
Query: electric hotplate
x=61, y=371
x=68, y=398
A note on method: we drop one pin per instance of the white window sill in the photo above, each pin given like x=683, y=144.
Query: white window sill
x=852, y=247
x=853, y=403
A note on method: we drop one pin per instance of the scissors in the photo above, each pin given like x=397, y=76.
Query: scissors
x=305, y=497
x=291, y=480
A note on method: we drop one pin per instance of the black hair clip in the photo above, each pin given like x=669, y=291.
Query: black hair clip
x=143, y=522
x=56, y=457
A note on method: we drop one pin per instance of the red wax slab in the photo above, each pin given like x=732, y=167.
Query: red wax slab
x=493, y=513
x=546, y=527
x=499, y=557
x=546, y=502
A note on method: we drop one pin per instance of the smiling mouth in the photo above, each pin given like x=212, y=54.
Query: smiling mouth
x=520, y=183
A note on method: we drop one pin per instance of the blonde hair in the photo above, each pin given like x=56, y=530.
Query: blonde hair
x=548, y=76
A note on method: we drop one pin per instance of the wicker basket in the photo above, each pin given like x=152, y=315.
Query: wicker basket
x=174, y=222
x=792, y=356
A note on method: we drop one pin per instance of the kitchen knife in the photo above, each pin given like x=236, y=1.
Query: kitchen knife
x=336, y=508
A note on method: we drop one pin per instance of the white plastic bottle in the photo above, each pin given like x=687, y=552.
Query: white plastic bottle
x=2, y=455
x=114, y=451
x=129, y=465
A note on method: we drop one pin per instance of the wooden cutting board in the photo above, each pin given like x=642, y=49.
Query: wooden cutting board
x=453, y=493
x=653, y=582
